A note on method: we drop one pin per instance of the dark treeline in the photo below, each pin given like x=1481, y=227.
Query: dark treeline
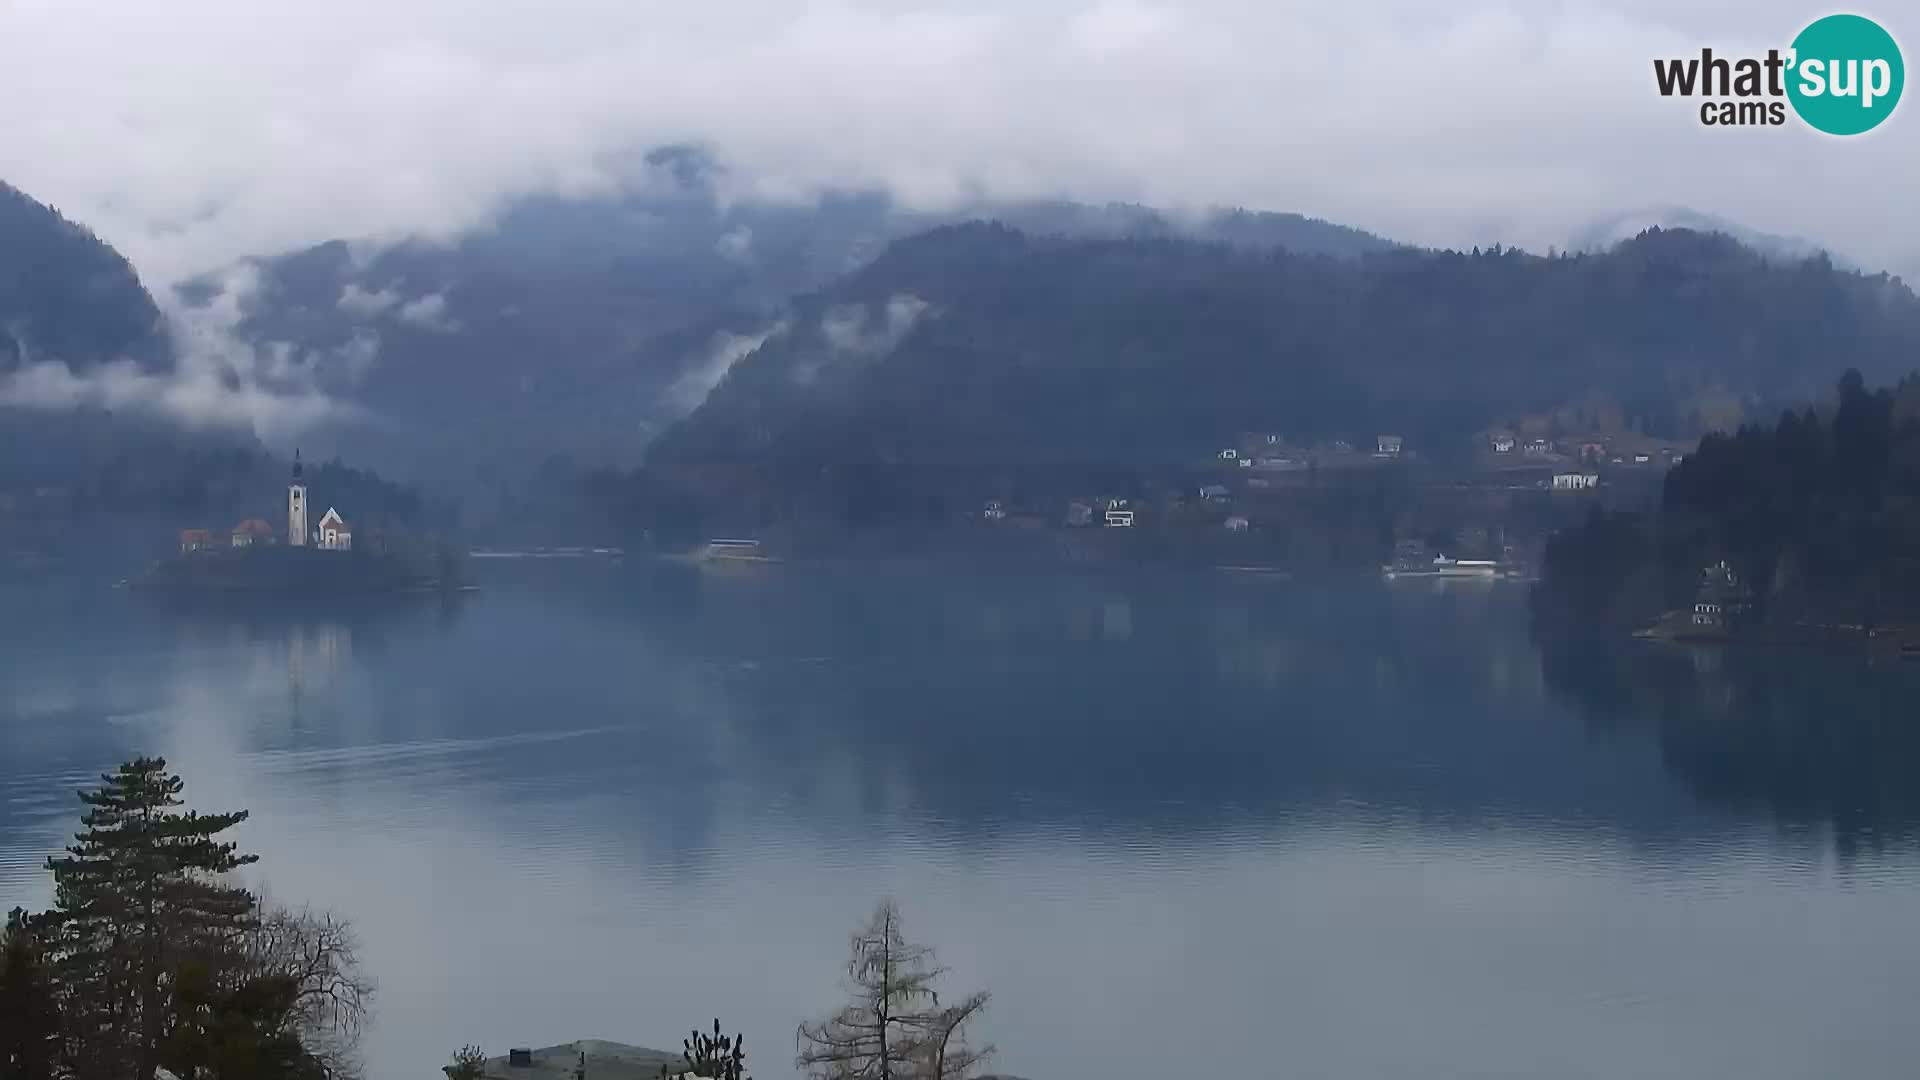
x=1819, y=512
x=153, y=959
x=1345, y=519
x=118, y=485
x=981, y=344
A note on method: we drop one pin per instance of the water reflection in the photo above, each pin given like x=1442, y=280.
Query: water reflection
x=1169, y=704
x=973, y=703
x=1808, y=739
x=1184, y=820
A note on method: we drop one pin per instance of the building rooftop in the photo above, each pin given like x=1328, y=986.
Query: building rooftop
x=605, y=1061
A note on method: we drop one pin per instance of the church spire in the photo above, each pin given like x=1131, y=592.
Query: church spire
x=297, y=506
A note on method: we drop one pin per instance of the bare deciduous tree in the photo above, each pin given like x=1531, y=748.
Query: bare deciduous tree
x=895, y=1028
x=947, y=1055
x=319, y=953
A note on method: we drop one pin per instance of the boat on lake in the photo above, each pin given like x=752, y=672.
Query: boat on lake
x=1444, y=567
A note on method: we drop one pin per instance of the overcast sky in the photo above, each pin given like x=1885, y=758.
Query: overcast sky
x=194, y=131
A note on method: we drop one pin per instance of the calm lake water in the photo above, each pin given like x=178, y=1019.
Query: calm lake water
x=1178, y=824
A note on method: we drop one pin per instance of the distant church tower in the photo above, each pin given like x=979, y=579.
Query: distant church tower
x=297, y=506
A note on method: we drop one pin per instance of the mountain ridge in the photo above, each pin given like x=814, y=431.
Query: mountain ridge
x=586, y=326
x=1036, y=349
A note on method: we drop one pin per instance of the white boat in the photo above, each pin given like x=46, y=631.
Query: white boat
x=1443, y=567
x=734, y=551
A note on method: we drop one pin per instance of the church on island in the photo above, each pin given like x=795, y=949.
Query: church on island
x=331, y=533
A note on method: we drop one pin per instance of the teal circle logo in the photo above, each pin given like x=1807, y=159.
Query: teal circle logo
x=1846, y=75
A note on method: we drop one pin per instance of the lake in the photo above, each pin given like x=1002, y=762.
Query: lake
x=1178, y=824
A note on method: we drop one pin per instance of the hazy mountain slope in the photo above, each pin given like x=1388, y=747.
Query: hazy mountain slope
x=67, y=296
x=1603, y=233
x=586, y=326
x=979, y=343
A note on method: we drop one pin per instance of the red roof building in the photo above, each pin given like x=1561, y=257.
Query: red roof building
x=252, y=531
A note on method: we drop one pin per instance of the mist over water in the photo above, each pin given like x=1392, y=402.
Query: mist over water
x=1172, y=821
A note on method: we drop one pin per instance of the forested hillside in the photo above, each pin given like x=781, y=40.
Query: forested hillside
x=67, y=296
x=86, y=486
x=1819, y=512
x=980, y=343
x=585, y=326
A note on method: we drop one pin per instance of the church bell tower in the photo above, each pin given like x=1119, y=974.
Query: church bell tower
x=297, y=506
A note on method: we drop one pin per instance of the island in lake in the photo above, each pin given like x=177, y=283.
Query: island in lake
x=317, y=560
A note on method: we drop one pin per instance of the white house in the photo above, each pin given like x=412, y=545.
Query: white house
x=1575, y=481
x=1236, y=523
x=1389, y=445
x=1229, y=454
x=1503, y=444
x=333, y=532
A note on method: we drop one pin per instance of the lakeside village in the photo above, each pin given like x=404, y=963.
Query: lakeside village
x=1260, y=482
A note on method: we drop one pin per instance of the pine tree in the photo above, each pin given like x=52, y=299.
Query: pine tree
x=469, y=1063
x=715, y=1057
x=136, y=897
x=29, y=1017
x=895, y=1028
x=227, y=1028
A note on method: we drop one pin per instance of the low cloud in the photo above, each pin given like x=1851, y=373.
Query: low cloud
x=853, y=328
x=858, y=332
x=192, y=138
x=428, y=313
x=196, y=400
x=362, y=304
x=736, y=244
x=724, y=350
x=218, y=379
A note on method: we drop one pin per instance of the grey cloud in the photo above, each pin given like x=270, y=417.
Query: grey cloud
x=736, y=244
x=189, y=139
x=362, y=304
x=428, y=313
